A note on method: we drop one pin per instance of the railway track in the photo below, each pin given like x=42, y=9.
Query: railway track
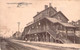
x=11, y=45
x=14, y=46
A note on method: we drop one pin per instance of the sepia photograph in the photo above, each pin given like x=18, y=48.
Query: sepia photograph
x=39, y=24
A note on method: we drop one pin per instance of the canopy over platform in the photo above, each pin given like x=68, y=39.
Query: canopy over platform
x=54, y=20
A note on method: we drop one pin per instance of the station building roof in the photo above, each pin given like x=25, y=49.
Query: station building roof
x=54, y=20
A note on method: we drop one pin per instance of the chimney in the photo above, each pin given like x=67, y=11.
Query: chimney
x=46, y=6
x=49, y=4
x=55, y=8
x=37, y=12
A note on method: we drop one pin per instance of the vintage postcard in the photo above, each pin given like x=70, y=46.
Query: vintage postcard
x=39, y=24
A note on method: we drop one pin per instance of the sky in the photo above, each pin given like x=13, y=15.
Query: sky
x=10, y=14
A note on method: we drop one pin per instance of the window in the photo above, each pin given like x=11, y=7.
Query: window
x=59, y=17
x=77, y=23
x=39, y=23
x=32, y=26
x=37, y=27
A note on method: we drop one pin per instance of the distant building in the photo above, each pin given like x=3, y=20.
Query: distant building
x=50, y=26
x=17, y=35
x=76, y=23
